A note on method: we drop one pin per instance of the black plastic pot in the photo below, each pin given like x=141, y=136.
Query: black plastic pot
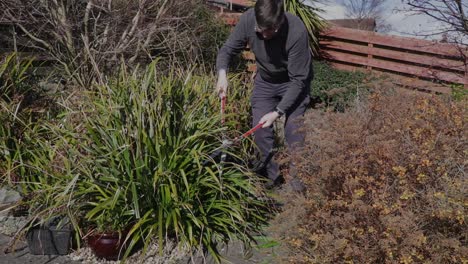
x=51, y=240
x=20, y=210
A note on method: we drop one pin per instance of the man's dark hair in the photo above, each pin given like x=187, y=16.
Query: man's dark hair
x=269, y=13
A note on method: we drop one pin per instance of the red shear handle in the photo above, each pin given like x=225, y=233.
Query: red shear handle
x=248, y=133
x=223, y=108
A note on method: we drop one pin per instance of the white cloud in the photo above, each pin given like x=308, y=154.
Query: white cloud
x=332, y=11
x=414, y=25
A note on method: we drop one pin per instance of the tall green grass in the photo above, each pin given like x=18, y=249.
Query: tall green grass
x=132, y=161
x=13, y=76
x=14, y=117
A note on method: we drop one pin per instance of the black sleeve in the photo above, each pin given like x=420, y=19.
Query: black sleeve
x=299, y=63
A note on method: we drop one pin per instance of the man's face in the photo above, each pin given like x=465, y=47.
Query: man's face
x=266, y=33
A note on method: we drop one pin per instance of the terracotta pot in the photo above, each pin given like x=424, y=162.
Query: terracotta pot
x=108, y=245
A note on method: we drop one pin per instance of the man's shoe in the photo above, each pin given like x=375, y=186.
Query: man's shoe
x=270, y=184
x=297, y=185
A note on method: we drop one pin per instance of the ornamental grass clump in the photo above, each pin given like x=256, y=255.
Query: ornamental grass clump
x=141, y=143
x=387, y=183
x=12, y=120
x=22, y=105
x=13, y=77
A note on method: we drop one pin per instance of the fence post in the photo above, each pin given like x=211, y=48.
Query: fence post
x=369, y=55
x=465, y=54
x=370, y=47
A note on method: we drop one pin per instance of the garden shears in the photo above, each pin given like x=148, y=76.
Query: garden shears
x=226, y=143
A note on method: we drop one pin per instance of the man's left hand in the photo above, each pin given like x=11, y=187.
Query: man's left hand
x=268, y=119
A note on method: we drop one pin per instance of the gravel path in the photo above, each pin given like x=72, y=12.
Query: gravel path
x=21, y=255
x=267, y=251
x=233, y=253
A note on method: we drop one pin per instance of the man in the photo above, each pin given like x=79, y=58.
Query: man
x=279, y=41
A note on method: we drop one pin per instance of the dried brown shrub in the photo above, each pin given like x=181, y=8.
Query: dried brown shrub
x=386, y=183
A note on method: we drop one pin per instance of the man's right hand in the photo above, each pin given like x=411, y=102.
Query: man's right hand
x=221, y=86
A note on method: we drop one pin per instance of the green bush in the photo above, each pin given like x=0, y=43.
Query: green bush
x=459, y=92
x=212, y=35
x=334, y=87
x=132, y=159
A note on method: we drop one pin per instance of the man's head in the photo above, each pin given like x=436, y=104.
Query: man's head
x=269, y=15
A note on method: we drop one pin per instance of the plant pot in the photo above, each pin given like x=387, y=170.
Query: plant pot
x=20, y=210
x=49, y=241
x=109, y=246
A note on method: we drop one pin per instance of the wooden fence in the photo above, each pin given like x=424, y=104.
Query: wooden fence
x=352, y=49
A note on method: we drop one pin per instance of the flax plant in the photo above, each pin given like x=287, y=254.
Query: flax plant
x=309, y=14
x=141, y=146
x=10, y=123
x=13, y=85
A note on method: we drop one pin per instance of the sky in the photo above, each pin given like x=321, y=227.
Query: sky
x=402, y=23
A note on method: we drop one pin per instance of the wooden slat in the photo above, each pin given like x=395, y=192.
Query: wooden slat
x=230, y=18
x=230, y=21
x=396, y=55
x=346, y=67
x=231, y=14
x=398, y=67
x=419, y=71
x=242, y=2
x=421, y=85
x=466, y=71
x=394, y=41
x=406, y=82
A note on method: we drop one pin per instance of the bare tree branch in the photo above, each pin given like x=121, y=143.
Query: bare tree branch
x=362, y=10
x=452, y=13
x=90, y=37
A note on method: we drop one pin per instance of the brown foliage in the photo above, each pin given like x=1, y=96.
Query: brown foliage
x=386, y=183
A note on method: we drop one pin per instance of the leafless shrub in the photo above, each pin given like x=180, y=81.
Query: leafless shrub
x=88, y=38
x=362, y=10
x=451, y=13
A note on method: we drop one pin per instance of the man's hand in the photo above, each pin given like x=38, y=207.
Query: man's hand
x=268, y=119
x=221, y=86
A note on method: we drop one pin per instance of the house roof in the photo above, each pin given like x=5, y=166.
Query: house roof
x=368, y=24
x=234, y=5
x=242, y=2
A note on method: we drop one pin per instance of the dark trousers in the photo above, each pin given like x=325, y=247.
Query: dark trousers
x=265, y=97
